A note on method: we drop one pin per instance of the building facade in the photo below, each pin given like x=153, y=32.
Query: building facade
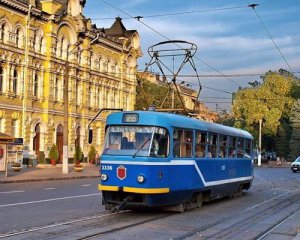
x=43, y=44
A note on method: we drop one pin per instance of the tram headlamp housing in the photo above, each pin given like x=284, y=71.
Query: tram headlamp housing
x=140, y=179
x=104, y=177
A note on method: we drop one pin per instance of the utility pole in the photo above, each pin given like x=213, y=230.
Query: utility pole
x=24, y=102
x=65, y=168
x=259, y=144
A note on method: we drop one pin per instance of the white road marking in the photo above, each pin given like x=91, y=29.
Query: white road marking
x=13, y=192
x=86, y=185
x=50, y=188
x=49, y=200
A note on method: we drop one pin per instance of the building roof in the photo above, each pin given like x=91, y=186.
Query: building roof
x=118, y=29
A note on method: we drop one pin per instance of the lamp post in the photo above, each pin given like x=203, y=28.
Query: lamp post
x=27, y=33
x=259, y=144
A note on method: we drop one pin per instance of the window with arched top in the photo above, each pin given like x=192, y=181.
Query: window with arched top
x=4, y=33
x=19, y=38
x=41, y=46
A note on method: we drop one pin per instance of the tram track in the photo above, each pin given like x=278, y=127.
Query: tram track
x=108, y=222
x=237, y=225
x=104, y=224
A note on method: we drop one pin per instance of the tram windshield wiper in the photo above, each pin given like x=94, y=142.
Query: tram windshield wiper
x=141, y=147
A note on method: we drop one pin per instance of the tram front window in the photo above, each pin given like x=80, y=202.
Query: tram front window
x=136, y=141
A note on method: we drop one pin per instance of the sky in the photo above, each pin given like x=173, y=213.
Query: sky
x=231, y=38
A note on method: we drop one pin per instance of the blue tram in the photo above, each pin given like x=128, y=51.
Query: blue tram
x=154, y=159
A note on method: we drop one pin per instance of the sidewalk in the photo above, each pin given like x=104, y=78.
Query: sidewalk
x=48, y=173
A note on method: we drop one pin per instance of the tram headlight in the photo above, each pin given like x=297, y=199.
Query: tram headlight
x=104, y=177
x=140, y=179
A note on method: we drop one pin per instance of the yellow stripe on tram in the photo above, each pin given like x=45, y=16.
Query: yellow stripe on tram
x=108, y=188
x=146, y=190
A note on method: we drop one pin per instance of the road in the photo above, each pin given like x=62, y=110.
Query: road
x=73, y=210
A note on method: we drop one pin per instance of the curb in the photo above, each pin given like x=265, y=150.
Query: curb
x=47, y=179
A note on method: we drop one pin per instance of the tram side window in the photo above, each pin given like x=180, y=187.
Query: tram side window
x=212, y=145
x=232, y=147
x=160, y=143
x=200, y=144
x=183, y=142
x=240, y=148
x=248, y=148
x=223, y=146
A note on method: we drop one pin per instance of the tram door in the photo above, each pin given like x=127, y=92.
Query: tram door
x=59, y=141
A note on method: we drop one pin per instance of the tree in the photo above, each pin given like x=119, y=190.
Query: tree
x=295, y=138
x=269, y=101
x=155, y=94
x=282, y=140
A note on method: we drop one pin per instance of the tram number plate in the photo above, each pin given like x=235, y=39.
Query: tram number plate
x=107, y=167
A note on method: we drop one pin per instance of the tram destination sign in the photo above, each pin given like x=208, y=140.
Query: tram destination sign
x=130, y=118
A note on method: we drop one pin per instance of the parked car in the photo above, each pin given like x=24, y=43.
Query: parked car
x=295, y=166
x=264, y=158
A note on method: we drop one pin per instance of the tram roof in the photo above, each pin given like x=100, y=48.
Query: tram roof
x=151, y=118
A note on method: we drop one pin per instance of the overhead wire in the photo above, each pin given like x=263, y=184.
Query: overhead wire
x=184, y=12
x=270, y=36
x=162, y=35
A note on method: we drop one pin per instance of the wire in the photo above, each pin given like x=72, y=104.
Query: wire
x=179, y=13
x=182, y=13
x=265, y=27
x=109, y=4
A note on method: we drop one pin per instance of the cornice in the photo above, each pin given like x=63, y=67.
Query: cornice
x=24, y=8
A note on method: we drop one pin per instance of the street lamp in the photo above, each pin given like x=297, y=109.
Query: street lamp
x=259, y=144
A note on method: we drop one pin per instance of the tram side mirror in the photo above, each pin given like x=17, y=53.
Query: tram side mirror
x=90, y=136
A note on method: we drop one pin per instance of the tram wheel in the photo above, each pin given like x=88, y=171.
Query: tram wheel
x=199, y=199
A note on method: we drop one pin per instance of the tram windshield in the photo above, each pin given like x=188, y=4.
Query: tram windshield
x=137, y=141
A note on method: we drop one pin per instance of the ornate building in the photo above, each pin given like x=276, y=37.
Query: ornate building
x=43, y=44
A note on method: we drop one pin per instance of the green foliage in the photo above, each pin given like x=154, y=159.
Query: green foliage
x=53, y=154
x=92, y=153
x=41, y=158
x=282, y=139
x=225, y=118
x=78, y=155
x=155, y=95
x=295, y=138
x=267, y=101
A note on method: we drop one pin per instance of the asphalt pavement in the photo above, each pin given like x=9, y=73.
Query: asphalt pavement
x=48, y=173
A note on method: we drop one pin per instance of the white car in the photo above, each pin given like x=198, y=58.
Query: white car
x=295, y=166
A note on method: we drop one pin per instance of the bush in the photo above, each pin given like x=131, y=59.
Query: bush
x=53, y=154
x=92, y=154
x=78, y=155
